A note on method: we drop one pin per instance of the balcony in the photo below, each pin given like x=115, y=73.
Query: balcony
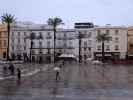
x=64, y=47
x=48, y=37
x=64, y=38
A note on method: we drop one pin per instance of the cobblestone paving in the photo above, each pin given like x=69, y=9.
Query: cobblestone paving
x=77, y=82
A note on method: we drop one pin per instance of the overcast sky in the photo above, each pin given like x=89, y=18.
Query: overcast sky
x=100, y=12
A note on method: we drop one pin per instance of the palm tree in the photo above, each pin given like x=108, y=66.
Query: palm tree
x=31, y=37
x=80, y=36
x=54, y=22
x=8, y=19
x=102, y=38
x=40, y=37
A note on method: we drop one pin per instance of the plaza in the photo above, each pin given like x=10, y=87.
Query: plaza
x=76, y=82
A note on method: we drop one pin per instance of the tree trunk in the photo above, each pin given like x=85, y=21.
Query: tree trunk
x=31, y=46
x=79, y=49
x=54, y=41
x=103, y=53
x=8, y=30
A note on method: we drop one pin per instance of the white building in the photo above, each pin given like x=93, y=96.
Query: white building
x=67, y=41
x=87, y=32
x=42, y=48
x=117, y=47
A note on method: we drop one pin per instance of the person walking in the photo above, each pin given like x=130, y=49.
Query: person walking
x=57, y=70
x=18, y=74
x=11, y=68
x=5, y=70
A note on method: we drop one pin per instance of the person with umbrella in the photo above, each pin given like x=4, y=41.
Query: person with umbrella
x=57, y=70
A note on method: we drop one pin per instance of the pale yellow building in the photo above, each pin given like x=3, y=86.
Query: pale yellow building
x=3, y=41
x=130, y=42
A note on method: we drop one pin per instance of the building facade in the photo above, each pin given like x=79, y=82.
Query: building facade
x=21, y=41
x=116, y=48
x=86, y=32
x=40, y=48
x=130, y=43
x=3, y=41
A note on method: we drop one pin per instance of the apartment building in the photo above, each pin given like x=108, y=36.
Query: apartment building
x=116, y=48
x=86, y=35
x=42, y=45
x=3, y=41
x=130, y=42
x=41, y=48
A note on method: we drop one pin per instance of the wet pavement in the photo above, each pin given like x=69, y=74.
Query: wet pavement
x=76, y=82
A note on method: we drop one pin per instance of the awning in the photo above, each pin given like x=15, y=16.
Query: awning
x=100, y=55
x=67, y=56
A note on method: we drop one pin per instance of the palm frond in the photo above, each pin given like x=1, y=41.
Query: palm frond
x=55, y=21
x=103, y=37
x=8, y=18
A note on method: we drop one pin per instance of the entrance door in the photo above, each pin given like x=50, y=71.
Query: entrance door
x=4, y=54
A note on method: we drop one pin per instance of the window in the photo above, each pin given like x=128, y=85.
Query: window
x=48, y=33
x=116, y=47
x=18, y=40
x=0, y=43
x=98, y=31
x=89, y=48
x=40, y=35
x=109, y=39
x=99, y=47
x=32, y=52
x=48, y=44
x=18, y=33
x=116, y=32
x=85, y=57
x=85, y=32
x=85, y=43
x=70, y=43
x=5, y=43
x=12, y=47
x=24, y=33
x=24, y=47
x=40, y=44
x=85, y=49
x=89, y=35
x=24, y=40
x=65, y=35
x=107, y=31
x=107, y=48
x=12, y=33
x=131, y=46
x=12, y=40
x=89, y=42
x=116, y=39
x=65, y=45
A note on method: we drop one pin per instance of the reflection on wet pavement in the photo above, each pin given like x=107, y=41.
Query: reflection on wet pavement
x=77, y=82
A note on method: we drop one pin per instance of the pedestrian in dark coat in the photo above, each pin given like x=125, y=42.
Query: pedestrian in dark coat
x=18, y=74
x=11, y=68
x=5, y=70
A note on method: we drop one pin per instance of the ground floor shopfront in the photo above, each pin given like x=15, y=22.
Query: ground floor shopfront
x=109, y=55
x=43, y=58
